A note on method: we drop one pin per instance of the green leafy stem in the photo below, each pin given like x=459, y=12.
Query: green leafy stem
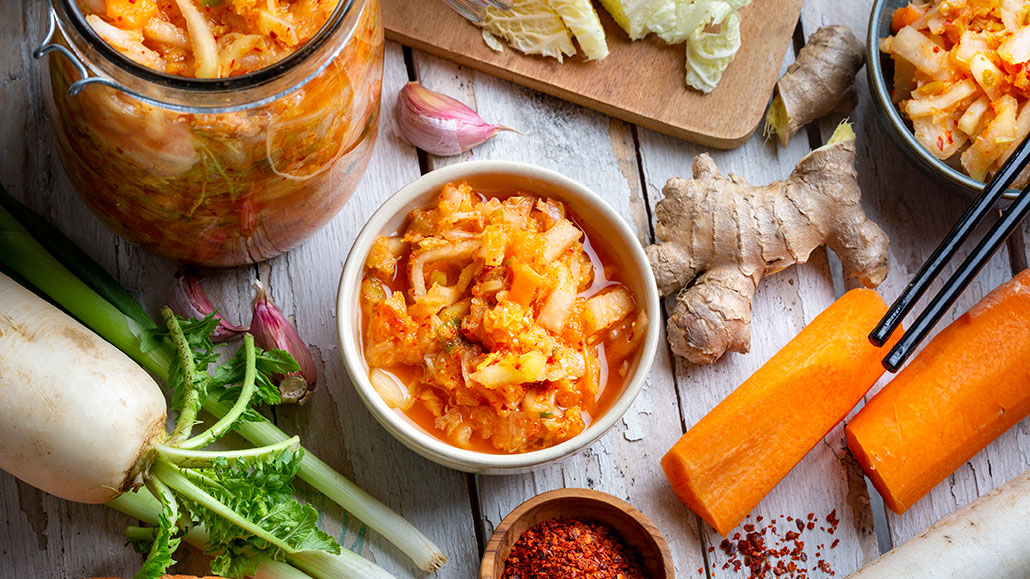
x=244, y=497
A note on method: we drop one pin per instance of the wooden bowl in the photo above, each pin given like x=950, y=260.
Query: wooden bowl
x=585, y=504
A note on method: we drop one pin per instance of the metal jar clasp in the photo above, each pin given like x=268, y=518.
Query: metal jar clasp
x=47, y=45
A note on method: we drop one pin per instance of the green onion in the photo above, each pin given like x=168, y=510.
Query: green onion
x=24, y=220
x=345, y=493
x=99, y=302
x=143, y=506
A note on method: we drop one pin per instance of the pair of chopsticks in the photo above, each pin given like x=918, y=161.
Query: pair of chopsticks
x=1002, y=229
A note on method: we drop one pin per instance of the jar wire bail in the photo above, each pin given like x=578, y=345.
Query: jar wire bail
x=47, y=46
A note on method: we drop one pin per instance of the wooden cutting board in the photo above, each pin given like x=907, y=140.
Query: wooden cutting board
x=640, y=82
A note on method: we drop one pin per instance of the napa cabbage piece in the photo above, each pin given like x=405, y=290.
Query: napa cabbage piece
x=634, y=16
x=711, y=47
x=710, y=29
x=531, y=27
x=582, y=20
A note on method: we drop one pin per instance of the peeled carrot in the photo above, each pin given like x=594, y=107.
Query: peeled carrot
x=726, y=463
x=970, y=384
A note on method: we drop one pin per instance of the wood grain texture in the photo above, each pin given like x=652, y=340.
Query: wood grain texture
x=580, y=144
x=916, y=214
x=44, y=537
x=639, y=82
x=823, y=481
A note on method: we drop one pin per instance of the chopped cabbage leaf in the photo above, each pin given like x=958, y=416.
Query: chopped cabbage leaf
x=676, y=21
x=581, y=18
x=633, y=15
x=710, y=52
x=711, y=29
x=492, y=41
x=530, y=26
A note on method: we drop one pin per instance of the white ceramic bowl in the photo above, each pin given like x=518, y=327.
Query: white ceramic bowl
x=616, y=238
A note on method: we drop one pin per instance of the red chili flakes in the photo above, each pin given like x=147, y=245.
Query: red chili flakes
x=572, y=549
x=762, y=553
x=832, y=518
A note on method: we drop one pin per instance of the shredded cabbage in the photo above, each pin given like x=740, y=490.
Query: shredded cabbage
x=205, y=48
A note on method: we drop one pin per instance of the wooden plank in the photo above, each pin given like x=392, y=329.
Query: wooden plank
x=598, y=152
x=824, y=481
x=640, y=82
x=45, y=537
x=916, y=214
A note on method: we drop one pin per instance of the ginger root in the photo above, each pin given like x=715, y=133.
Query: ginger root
x=720, y=236
x=821, y=81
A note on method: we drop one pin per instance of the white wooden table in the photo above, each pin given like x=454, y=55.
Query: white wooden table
x=42, y=537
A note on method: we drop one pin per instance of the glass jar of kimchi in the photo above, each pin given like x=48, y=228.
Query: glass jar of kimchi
x=216, y=132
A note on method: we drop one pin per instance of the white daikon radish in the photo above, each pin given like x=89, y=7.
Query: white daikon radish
x=77, y=416
x=989, y=537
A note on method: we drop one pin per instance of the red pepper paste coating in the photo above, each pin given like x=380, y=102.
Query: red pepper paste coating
x=572, y=549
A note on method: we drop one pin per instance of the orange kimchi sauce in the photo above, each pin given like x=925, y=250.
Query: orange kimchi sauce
x=521, y=333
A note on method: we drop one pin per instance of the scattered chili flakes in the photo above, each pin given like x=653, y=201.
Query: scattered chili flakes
x=572, y=549
x=763, y=553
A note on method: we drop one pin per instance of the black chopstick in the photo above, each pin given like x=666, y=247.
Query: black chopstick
x=972, y=265
x=946, y=250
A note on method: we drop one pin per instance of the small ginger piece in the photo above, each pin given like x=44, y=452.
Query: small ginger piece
x=821, y=81
x=720, y=236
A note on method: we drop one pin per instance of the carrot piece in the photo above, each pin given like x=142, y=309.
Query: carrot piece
x=726, y=463
x=131, y=14
x=904, y=16
x=970, y=384
x=524, y=284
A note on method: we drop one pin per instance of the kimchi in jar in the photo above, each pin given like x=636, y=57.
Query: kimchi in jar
x=216, y=132
x=495, y=324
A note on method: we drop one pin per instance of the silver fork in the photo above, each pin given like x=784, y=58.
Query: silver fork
x=473, y=9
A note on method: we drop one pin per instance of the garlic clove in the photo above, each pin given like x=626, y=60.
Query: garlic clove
x=272, y=331
x=187, y=299
x=439, y=124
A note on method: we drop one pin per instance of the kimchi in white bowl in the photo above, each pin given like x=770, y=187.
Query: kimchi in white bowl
x=495, y=316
